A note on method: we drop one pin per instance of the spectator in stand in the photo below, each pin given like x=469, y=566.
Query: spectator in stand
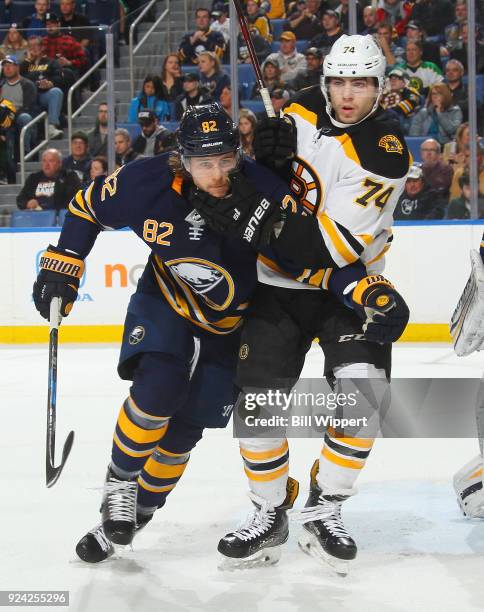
x=7, y=136
x=212, y=77
x=14, y=44
x=399, y=99
x=272, y=78
x=226, y=99
x=311, y=75
x=306, y=21
x=431, y=50
x=99, y=167
x=35, y=24
x=459, y=52
x=221, y=20
x=422, y=74
x=460, y=207
x=261, y=46
x=435, y=14
x=343, y=11
x=46, y=74
x=202, y=39
x=23, y=94
x=193, y=95
x=64, y=48
x=154, y=138
x=278, y=98
x=418, y=200
x=439, y=118
x=171, y=78
x=150, y=98
x=453, y=30
x=50, y=188
x=396, y=13
x=79, y=161
x=257, y=19
x=369, y=21
x=464, y=168
x=332, y=30
x=76, y=25
x=454, y=71
x=437, y=173
x=97, y=137
x=289, y=59
x=123, y=149
x=276, y=10
x=393, y=53
x=247, y=126
x=454, y=151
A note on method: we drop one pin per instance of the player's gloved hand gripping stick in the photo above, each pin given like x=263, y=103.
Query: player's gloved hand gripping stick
x=54, y=293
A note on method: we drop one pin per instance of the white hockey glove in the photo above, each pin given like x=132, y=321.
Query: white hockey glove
x=467, y=323
x=469, y=489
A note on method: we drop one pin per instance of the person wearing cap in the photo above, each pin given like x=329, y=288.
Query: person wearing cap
x=419, y=200
x=305, y=22
x=257, y=19
x=34, y=25
x=14, y=44
x=194, y=94
x=400, y=99
x=332, y=30
x=432, y=51
x=154, y=138
x=289, y=59
x=79, y=161
x=221, y=20
x=271, y=73
x=64, y=48
x=311, y=75
x=202, y=39
x=435, y=14
x=46, y=74
x=22, y=93
x=394, y=54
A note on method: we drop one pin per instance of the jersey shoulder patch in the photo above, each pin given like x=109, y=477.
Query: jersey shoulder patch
x=381, y=147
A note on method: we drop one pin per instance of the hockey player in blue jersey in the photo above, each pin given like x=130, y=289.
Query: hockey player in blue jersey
x=181, y=334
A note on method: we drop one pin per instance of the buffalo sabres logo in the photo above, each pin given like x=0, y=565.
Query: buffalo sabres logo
x=391, y=144
x=206, y=279
x=137, y=335
x=305, y=184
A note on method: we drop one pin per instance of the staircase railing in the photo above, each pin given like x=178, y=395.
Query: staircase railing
x=23, y=156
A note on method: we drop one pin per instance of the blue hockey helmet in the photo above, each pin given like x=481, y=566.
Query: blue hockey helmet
x=207, y=130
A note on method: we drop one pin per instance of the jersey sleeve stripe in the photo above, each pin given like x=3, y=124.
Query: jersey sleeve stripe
x=343, y=254
x=77, y=207
x=302, y=112
x=350, y=239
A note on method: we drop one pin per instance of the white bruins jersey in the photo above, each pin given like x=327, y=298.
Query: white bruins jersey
x=350, y=179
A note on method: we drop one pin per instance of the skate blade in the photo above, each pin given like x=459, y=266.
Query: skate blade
x=309, y=544
x=262, y=558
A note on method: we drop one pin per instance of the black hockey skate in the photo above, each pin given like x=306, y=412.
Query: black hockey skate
x=119, y=509
x=324, y=535
x=95, y=546
x=258, y=541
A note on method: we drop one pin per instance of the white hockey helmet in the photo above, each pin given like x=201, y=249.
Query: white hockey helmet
x=354, y=56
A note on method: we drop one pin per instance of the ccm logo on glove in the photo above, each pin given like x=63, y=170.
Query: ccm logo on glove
x=255, y=219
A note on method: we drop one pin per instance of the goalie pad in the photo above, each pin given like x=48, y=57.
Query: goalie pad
x=467, y=323
x=469, y=489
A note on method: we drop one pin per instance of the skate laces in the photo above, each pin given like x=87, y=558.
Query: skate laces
x=120, y=496
x=100, y=537
x=258, y=521
x=327, y=511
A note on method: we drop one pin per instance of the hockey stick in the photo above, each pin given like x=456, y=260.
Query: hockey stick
x=52, y=472
x=264, y=92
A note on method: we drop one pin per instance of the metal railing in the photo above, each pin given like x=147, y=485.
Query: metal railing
x=72, y=115
x=133, y=51
x=23, y=157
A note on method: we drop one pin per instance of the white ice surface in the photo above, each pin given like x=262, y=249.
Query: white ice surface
x=416, y=552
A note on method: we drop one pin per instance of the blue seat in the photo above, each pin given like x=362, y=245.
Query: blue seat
x=413, y=143
x=33, y=218
x=256, y=106
x=134, y=129
x=278, y=27
x=61, y=217
x=479, y=87
x=301, y=46
x=19, y=10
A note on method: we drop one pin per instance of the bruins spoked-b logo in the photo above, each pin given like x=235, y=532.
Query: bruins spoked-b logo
x=244, y=351
x=391, y=144
x=205, y=278
x=305, y=184
x=137, y=335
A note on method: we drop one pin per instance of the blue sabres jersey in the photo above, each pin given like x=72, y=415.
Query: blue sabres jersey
x=206, y=278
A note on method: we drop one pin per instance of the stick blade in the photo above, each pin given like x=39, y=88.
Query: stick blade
x=52, y=472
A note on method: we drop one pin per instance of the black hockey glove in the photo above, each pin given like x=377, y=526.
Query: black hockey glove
x=59, y=276
x=244, y=213
x=382, y=308
x=275, y=141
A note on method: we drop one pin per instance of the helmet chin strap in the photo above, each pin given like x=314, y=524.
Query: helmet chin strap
x=329, y=107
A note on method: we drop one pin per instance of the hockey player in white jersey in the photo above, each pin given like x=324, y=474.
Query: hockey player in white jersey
x=347, y=164
x=467, y=329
